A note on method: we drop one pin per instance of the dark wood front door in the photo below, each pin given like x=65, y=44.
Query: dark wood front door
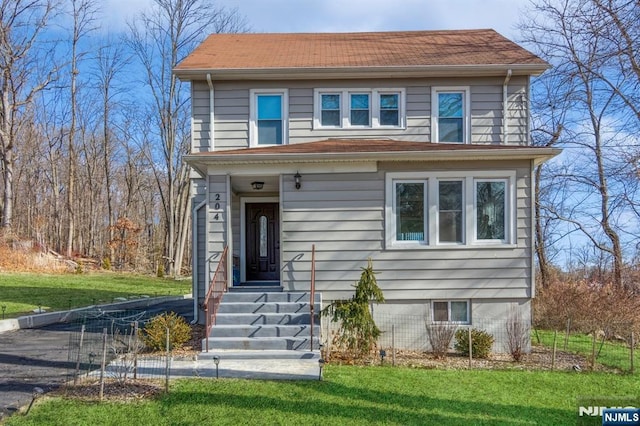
x=263, y=242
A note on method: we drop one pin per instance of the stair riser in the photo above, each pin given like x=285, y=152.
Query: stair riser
x=264, y=331
x=265, y=308
x=268, y=298
x=258, y=319
x=254, y=344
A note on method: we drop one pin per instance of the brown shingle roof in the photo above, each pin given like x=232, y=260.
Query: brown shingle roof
x=357, y=50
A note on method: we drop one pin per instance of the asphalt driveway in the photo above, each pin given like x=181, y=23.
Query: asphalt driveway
x=31, y=358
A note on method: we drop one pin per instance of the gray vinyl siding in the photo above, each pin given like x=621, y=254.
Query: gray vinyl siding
x=343, y=215
x=200, y=136
x=217, y=227
x=200, y=229
x=232, y=105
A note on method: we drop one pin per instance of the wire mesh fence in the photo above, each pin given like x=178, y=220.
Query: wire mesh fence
x=607, y=348
x=106, y=345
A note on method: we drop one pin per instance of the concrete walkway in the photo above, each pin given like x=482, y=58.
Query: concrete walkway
x=250, y=364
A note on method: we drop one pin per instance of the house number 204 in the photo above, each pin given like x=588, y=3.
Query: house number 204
x=217, y=206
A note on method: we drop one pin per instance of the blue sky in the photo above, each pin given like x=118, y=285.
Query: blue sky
x=353, y=15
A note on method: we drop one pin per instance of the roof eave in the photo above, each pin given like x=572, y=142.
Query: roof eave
x=359, y=72
x=539, y=155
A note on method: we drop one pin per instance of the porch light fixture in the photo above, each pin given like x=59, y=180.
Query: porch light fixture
x=297, y=178
x=321, y=364
x=257, y=185
x=216, y=361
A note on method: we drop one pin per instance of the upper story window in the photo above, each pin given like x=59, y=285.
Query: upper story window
x=331, y=111
x=450, y=209
x=360, y=110
x=451, y=114
x=368, y=108
x=390, y=109
x=268, y=117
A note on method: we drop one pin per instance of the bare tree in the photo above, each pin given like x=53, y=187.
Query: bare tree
x=22, y=77
x=570, y=35
x=160, y=39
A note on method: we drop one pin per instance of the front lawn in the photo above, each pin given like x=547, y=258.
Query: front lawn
x=354, y=396
x=22, y=293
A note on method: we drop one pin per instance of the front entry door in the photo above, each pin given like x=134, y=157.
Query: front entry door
x=263, y=242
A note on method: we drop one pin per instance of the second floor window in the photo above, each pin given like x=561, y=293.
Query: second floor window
x=268, y=117
x=360, y=108
x=450, y=109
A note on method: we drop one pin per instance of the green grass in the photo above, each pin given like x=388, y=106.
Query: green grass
x=21, y=293
x=610, y=354
x=354, y=396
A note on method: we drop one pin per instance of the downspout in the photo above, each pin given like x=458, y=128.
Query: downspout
x=194, y=283
x=211, y=114
x=505, y=107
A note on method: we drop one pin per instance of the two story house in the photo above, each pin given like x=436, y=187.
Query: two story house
x=409, y=148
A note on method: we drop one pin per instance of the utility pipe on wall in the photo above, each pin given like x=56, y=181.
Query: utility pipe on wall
x=211, y=114
x=505, y=107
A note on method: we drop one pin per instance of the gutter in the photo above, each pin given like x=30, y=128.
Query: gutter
x=293, y=73
x=505, y=108
x=523, y=153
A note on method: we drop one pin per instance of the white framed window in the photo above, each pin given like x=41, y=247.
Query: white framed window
x=359, y=108
x=410, y=211
x=453, y=311
x=268, y=117
x=330, y=110
x=451, y=114
x=451, y=209
x=491, y=207
x=461, y=209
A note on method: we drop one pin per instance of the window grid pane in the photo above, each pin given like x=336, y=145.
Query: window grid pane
x=450, y=202
x=440, y=311
x=450, y=117
x=410, y=212
x=269, y=121
x=490, y=210
x=389, y=111
x=459, y=312
x=359, y=110
x=330, y=110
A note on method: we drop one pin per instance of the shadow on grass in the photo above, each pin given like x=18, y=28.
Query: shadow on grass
x=343, y=404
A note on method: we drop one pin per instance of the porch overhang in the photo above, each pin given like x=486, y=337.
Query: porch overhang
x=365, y=151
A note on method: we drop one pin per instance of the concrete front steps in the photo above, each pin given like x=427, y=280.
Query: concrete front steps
x=265, y=321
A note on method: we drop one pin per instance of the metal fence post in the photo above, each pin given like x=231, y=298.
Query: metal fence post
x=470, y=348
x=593, y=351
x=166, y=382
x=135, y=351
x=104, y=362
x=393, y=345
x=75, y=377
x=633, y=344
x=555, y=347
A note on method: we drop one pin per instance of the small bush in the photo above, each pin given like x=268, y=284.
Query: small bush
x=518, y=334
x=106, y=264
x=481, y=342
x=155, y=332
x=160, y=270
x=440, y=336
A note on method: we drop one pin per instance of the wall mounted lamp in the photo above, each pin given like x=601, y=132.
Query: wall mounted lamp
x=257, y=185
x=297, y=178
